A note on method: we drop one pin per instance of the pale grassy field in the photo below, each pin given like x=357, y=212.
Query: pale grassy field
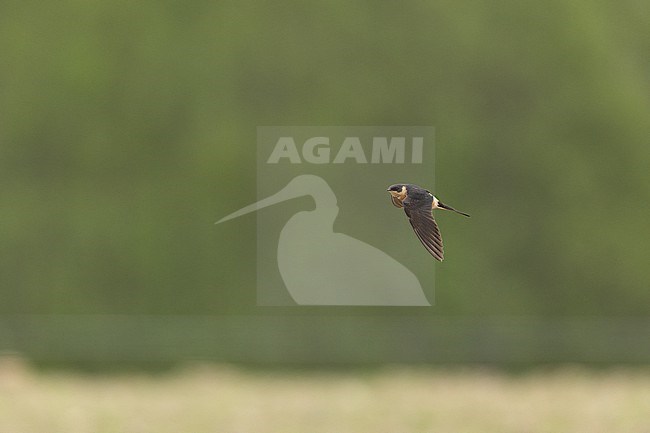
x=394, y=400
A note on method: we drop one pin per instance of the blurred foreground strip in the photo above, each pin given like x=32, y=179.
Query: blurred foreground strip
x=207, y=398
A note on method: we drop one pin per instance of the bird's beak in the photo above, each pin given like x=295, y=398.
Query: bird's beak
x=287, y=193
x=444, y=206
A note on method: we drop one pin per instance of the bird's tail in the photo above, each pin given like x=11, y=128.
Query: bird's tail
x=444, y=206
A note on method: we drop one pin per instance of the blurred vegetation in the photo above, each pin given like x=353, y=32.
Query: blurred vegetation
x=222, y=398
x=122, y=124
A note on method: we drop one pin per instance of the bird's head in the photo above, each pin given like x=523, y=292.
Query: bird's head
x=397, y=190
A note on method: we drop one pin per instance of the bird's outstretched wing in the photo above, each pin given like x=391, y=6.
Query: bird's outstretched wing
x=421, y=218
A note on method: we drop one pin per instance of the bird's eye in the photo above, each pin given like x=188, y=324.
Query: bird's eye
x=396, y=188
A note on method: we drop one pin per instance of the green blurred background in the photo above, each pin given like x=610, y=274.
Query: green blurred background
x=124, y=125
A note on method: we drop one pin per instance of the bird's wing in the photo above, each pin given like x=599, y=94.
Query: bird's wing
x=424, y=226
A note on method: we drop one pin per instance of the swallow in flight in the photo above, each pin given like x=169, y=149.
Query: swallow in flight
x=418, y=203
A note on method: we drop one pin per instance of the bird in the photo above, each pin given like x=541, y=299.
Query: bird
x=418, y=204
